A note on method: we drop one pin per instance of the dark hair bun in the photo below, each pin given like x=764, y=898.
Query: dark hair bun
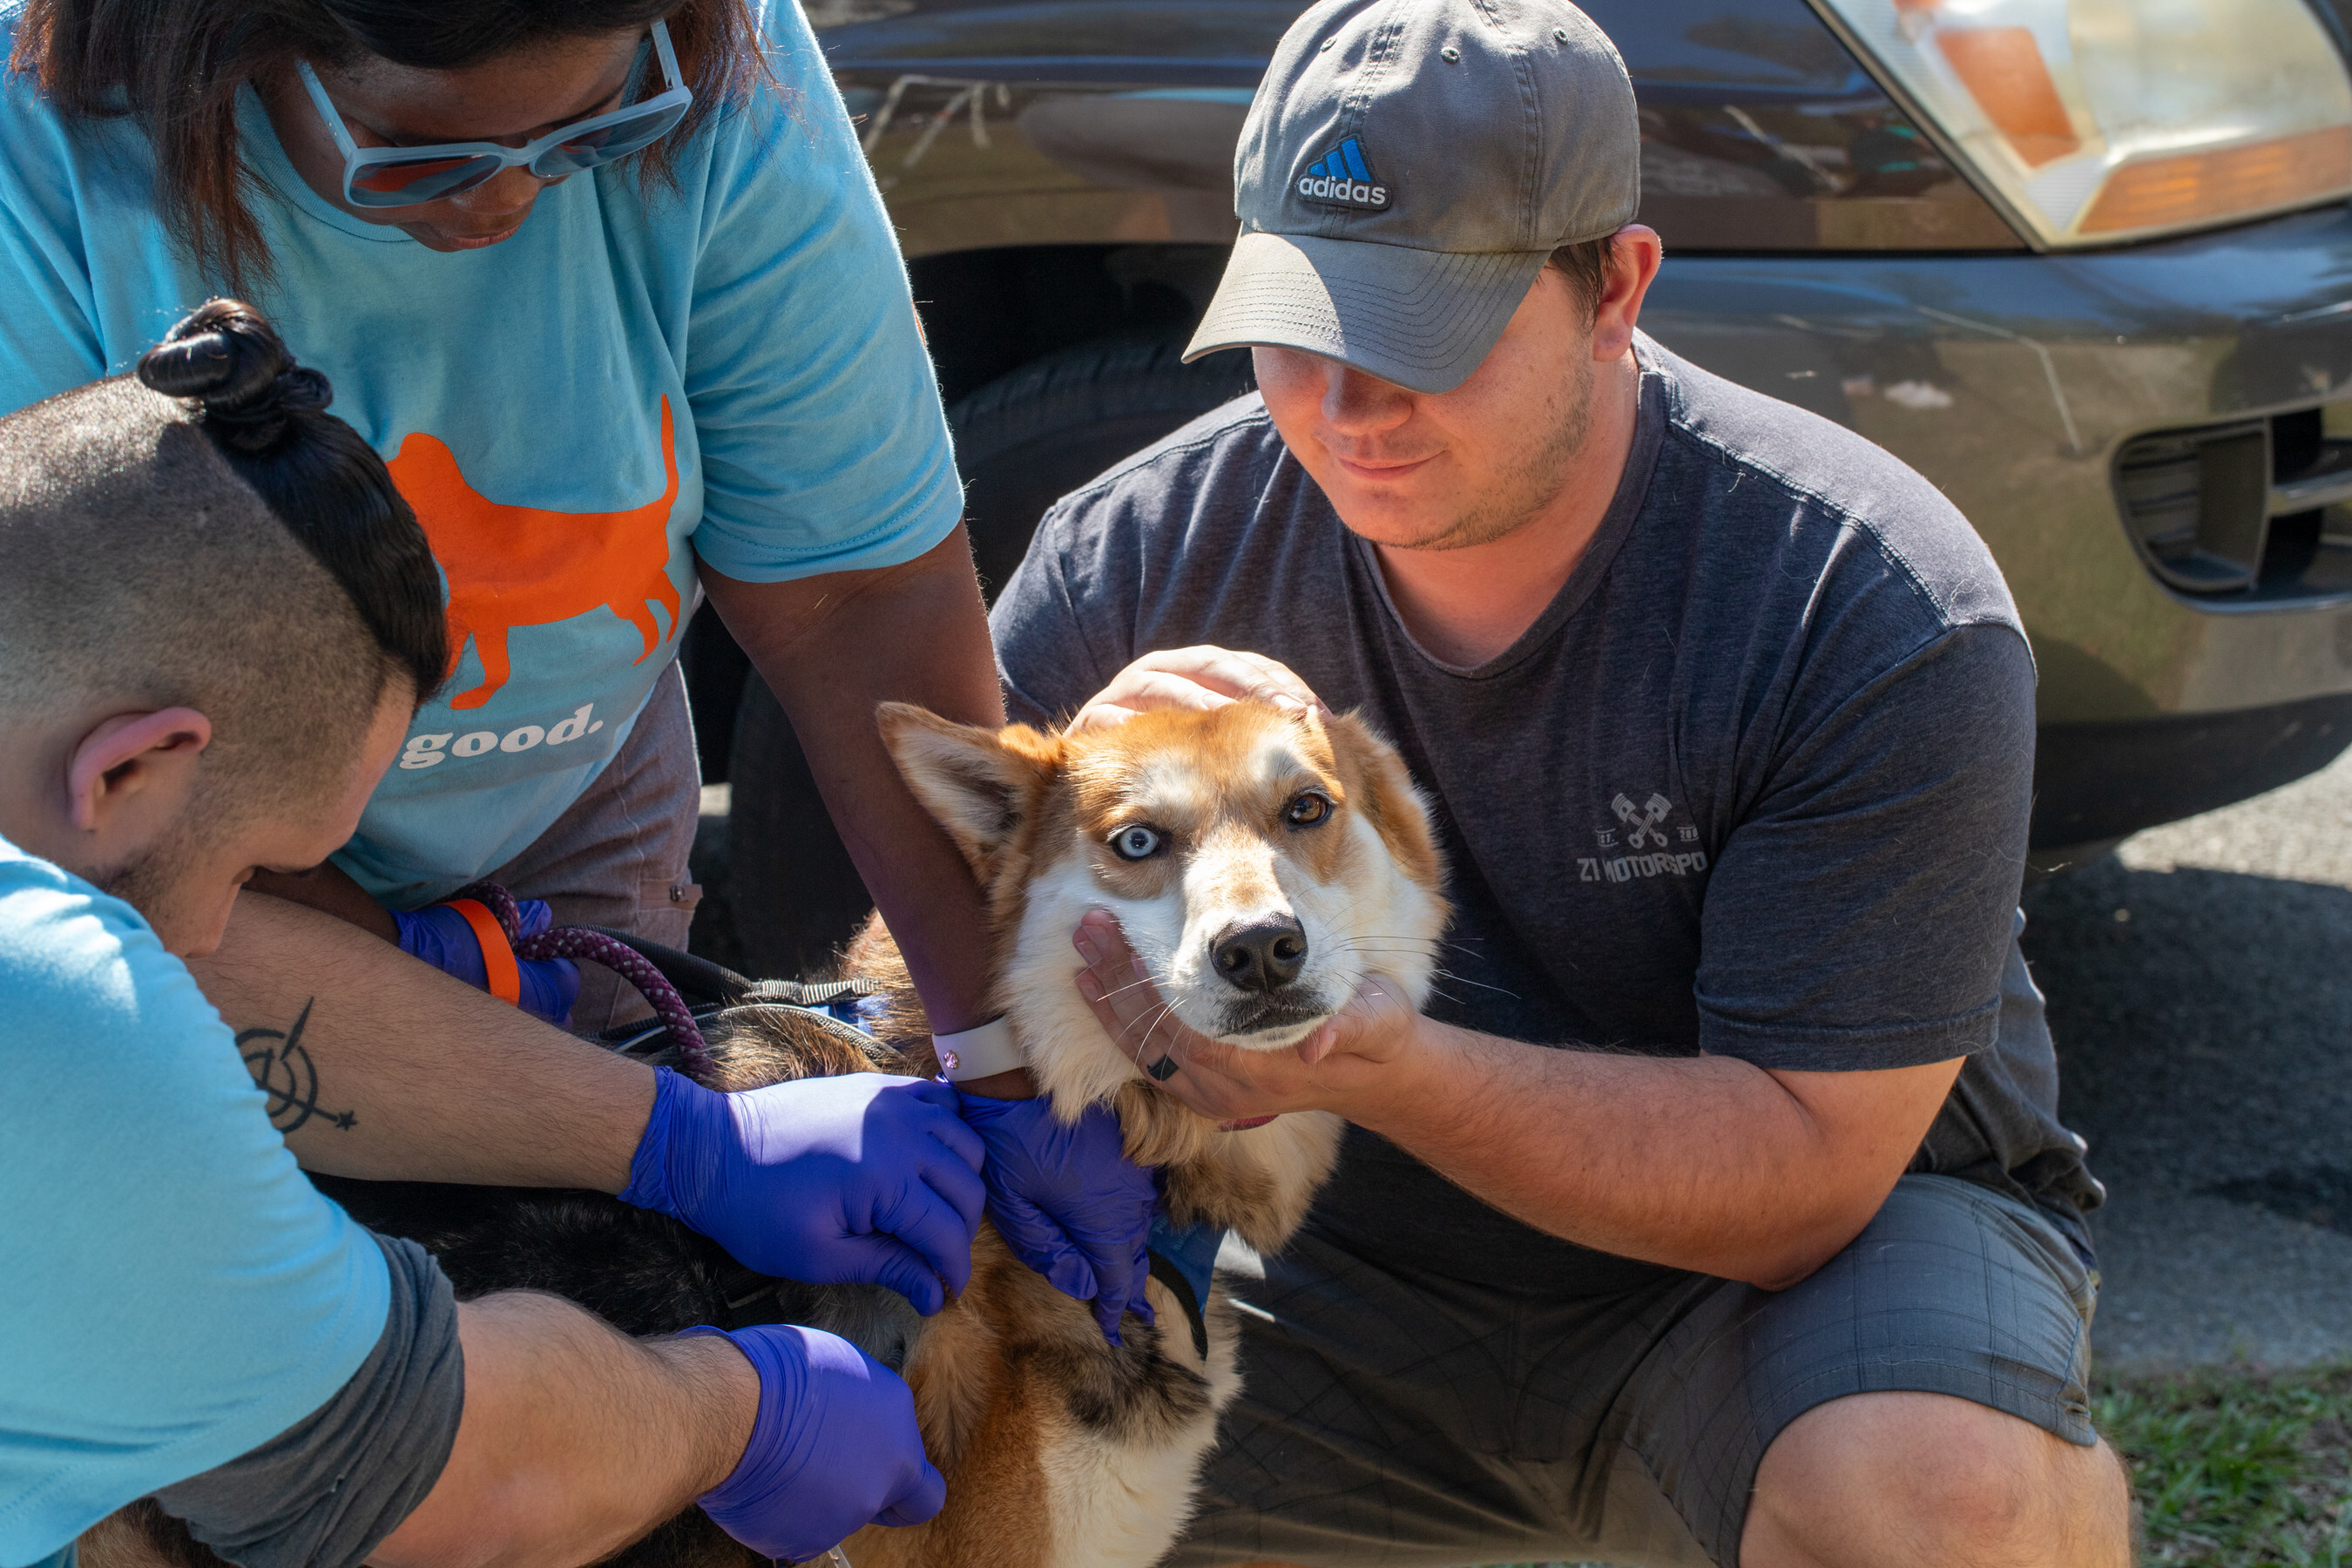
x=228, y=357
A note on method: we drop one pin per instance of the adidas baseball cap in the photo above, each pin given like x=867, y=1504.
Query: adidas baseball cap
x=1406, y=168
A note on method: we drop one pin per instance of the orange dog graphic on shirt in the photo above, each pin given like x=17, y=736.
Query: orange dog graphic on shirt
x=523, y=566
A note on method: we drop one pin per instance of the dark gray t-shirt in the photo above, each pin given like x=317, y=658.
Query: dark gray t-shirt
x=1756, y=784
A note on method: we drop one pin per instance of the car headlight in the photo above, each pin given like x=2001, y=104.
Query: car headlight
x=2098, y=120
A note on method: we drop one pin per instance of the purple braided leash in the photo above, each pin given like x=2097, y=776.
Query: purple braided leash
x=578, y=941
x=499, y=902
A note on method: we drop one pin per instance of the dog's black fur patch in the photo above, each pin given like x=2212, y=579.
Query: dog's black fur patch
x=1135, y=1394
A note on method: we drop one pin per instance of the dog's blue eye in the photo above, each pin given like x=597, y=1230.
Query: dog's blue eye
x=1138, y=843
x=1308, y=809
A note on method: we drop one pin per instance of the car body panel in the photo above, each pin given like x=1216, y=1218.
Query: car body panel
x=2011, y=382
x=1759, y=130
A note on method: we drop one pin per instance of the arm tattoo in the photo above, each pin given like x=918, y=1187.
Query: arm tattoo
x=284, y=1071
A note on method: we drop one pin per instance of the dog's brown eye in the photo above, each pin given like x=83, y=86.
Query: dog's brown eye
x=1308, y=809
x=1135, y=843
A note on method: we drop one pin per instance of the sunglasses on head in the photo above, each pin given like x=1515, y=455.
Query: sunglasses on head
x=381, y=177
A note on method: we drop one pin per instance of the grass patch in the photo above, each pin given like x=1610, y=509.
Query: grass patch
x=2238, y=1469
x=2233, y=1468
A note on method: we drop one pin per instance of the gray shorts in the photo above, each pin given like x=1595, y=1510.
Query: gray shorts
x=1386, y=1420
x=617, y=857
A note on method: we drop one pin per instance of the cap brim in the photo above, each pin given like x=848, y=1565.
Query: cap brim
x=1423, y=319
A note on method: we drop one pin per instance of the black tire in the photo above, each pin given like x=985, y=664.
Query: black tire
x=795, y=893
x=1023, y=441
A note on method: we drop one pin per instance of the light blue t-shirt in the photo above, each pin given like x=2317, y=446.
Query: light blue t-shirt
x=172, y=1290
x=640, y=377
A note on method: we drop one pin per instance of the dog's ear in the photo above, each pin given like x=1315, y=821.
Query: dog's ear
x=1378, y=781
x=978, y=782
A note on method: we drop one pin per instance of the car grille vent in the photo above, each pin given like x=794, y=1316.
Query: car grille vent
x=2251, y=511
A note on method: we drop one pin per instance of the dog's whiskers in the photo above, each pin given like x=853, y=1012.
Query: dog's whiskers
x=1164, y=1014
x=1466, y=980
x=1137, y=1051
x=1148, y=979
x=1157, y=1019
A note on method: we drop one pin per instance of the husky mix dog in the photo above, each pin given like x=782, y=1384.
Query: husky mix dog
x=1264, y=864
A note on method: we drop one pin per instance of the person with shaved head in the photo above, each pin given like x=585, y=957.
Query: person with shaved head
x=217, y=618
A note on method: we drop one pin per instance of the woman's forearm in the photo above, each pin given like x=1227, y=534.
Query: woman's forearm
x=380, y=1066
x=833, y=648
x=330, y=890
x=575, y=1439
x=1701, y=1163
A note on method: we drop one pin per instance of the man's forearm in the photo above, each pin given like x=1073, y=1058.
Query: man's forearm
x=1701, y=1163
x=834, y=648
x=575, y=1439
x=380, y=1066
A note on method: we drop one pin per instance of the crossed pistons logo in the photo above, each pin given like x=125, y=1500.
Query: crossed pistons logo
x=1644, y=826
x=1641, y=821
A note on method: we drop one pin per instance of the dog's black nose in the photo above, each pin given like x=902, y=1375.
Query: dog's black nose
x=1263, y=955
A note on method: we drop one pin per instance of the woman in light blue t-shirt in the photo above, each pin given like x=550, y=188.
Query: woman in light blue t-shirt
x=608, y=285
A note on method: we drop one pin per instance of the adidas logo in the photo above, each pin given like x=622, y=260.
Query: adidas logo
x=1341, y=178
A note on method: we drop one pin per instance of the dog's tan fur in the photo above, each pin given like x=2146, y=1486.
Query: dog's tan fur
x=1034, y=815
x=1060, y=1450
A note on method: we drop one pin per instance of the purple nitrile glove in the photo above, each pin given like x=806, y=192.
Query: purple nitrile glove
x=835, y=1448
x=1068, y=1202
x=441, y=937
x=863, y=1178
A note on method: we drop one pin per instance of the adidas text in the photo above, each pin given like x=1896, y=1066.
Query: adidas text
x=1354, y=192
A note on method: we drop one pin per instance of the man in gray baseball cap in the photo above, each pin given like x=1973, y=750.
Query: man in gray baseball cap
x=1716, y=1210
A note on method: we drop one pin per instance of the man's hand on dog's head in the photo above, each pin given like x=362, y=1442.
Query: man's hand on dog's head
x=1353, y=1056
x=1202, y=677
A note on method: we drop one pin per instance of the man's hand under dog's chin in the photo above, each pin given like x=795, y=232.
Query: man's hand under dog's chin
x=1360, y=1056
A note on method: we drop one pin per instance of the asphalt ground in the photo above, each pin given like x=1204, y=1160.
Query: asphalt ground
x=2199, y=983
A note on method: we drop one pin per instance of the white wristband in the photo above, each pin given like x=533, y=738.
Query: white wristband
x=982, y=1052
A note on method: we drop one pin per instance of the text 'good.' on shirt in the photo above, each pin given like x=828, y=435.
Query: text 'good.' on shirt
x=640, y=378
